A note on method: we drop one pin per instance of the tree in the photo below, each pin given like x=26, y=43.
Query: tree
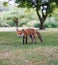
x=46, y=7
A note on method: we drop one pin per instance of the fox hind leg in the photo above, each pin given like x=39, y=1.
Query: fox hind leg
x=34, y=38
x=31, y=37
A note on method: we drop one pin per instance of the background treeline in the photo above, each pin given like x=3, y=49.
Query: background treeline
x=27, y=17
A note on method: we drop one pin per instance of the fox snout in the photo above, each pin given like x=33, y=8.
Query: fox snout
x=21, y=35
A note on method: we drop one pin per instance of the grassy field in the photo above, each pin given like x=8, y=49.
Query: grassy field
x=13, y=52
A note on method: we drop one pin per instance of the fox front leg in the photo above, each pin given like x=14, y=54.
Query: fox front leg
x=23, y=39
x=26, y=39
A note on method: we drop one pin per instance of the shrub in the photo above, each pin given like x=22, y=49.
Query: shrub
x=48, y=25
x=36, y=25
x=51, y=25
x=4, y=25
x=11, y=23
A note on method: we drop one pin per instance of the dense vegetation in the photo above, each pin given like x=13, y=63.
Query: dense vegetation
x=25, y=17
x=29, y=11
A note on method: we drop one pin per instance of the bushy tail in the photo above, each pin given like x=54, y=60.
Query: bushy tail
x=39, y=35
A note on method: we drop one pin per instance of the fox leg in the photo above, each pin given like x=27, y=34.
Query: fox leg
x=31, y=37
x=34, y=39
x=23, y=39
x=26, y=39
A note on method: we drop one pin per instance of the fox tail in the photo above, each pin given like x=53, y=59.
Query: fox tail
x=39, y=35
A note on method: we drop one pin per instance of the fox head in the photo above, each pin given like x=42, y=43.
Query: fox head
x=20, y=33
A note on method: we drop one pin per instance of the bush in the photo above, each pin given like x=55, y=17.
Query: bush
x=11, y=23
x=51, y=25
x=36, y=25
x=25, y=17
x=4, y=25
x=23, y=21
x=48, y=25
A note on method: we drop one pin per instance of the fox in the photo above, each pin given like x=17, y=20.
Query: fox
x=24, y=33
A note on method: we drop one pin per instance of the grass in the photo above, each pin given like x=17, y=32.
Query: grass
x=13, y=52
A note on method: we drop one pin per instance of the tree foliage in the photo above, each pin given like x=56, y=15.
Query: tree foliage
x=28, y=3
x=45, y=6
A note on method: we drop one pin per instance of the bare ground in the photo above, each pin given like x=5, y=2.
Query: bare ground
x=7, y=29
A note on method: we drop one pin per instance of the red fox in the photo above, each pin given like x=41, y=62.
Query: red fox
x=24, y=33
x=29, y=32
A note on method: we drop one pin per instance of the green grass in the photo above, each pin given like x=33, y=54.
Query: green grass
x=13, y=52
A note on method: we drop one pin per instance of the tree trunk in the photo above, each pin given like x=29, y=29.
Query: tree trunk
x=42, y=27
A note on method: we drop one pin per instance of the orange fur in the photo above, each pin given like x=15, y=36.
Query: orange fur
x=29, y=32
